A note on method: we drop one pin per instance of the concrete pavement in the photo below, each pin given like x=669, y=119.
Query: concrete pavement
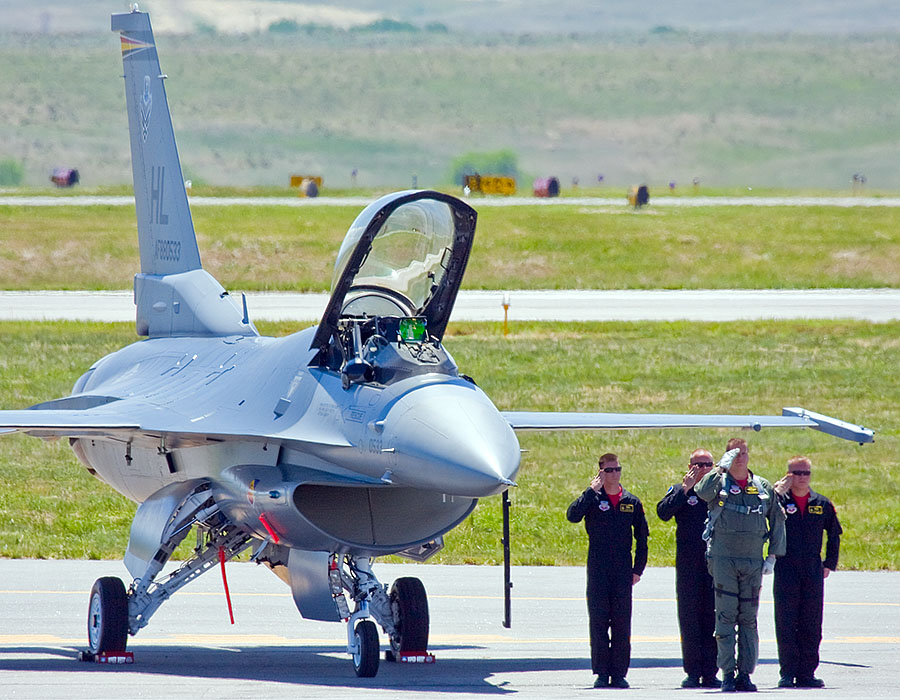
x=877, y=305
x=190, y=649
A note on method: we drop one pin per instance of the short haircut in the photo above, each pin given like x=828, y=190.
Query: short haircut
x=735, y=442
x=799, y=459
x=699, y=450
x=608, y=457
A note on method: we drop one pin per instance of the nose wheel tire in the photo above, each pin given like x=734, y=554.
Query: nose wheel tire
x=108, y=616
x=365, y=658
x=409, y=608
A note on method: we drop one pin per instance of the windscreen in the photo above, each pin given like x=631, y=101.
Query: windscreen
x=408, y=256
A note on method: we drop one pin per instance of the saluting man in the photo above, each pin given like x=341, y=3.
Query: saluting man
x=693, y=584
x=799, y=587
x=744, y=514
x=613, y=518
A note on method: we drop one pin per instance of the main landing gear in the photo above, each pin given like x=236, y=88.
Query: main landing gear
x=113, y=613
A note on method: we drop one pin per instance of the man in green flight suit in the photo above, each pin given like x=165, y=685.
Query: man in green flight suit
x=743, y=516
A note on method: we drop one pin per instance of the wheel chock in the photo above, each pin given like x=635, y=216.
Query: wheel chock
x=107, y=657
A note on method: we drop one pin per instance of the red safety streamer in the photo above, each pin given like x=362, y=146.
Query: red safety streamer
x=225, y=583
x=265, y=523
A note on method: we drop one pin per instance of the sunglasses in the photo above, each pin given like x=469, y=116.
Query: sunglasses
x=610, y=470
x=701, y=464
x=801, y=473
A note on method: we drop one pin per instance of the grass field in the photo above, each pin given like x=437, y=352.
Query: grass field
x=53, y=508
x=283, y=248
x=731, y=109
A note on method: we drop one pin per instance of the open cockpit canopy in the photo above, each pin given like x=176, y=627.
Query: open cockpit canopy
x=404, y=256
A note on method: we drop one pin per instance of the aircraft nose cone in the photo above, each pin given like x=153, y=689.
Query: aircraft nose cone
x=452, y=439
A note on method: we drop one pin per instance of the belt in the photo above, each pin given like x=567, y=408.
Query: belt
x=746, y=510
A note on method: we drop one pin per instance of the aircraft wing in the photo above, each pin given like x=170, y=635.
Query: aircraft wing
x=790, y=418
x=145, y=423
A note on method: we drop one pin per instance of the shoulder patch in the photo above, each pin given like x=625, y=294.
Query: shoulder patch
x=671, y=489
x=815, y=510
x=629, y=508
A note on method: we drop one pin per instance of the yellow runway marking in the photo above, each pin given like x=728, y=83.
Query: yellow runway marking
x=251, y=640
x=557, y=599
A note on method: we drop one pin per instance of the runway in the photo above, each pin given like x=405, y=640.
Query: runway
x=876, y=305
x=190, y=650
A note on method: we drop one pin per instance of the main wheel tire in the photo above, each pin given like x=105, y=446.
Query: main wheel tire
x=108, y=616
x=409, y=608
x=365, y=660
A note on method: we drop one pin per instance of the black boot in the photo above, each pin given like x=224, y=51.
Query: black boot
x=809, y=682
x=743, y=683
x=728, y=683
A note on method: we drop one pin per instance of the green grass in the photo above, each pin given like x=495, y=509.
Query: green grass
x=283, y=248
x=53, y=508
x=786, y=110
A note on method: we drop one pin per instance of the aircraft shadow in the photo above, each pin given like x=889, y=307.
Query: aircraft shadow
x=314, y=665
x=310, y=665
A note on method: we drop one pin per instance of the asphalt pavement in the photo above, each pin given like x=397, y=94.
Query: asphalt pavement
x=191, y=650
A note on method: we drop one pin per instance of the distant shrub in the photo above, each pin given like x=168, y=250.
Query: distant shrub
x=12, y=173
x=437, y=28
x=502, y=162
x=205, y=28
x=284, y=26
x=386, y=24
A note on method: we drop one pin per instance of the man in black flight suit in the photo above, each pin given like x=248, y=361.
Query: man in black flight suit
x=693, y=584
x=611, y=514
x=799, y=587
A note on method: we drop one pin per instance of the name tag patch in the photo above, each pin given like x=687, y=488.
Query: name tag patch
x=629, y=508
x=752, y=490
x=815, y=510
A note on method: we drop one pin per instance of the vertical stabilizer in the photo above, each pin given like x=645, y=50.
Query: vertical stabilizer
x=166, y=232
x=173, y=294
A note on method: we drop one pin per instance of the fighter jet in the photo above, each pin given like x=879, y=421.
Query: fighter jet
x=319, y=451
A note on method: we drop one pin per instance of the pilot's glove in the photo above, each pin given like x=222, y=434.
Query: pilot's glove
x=728, y=458
x=769, y=565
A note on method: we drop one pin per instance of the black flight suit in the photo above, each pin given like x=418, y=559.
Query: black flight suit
x=799, y=586
x=609, y=573
x=693, y=584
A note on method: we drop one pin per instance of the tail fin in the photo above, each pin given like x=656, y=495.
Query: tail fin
x=173, y=294
x=165, y=230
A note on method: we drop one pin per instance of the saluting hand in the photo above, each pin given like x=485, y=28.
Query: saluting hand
x=690, y=478
x=597, y=482
x=783, y=485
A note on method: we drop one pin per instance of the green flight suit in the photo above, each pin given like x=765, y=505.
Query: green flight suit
x=744, y=520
